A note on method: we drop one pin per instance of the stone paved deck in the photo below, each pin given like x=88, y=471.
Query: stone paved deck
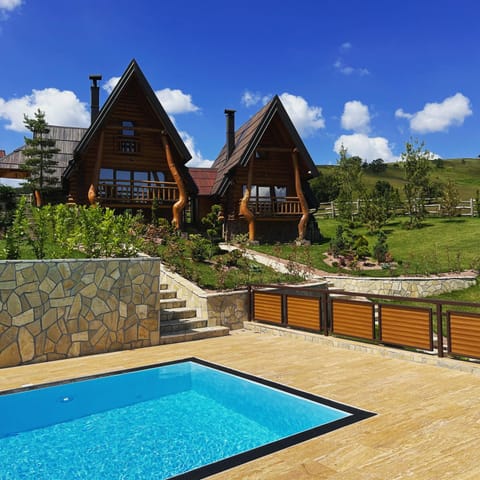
x=427, y=427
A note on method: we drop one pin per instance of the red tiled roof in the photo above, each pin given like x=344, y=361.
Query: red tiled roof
x=204, y=179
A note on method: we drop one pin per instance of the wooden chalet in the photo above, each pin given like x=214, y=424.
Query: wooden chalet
x=262, y=176
x=131, y=155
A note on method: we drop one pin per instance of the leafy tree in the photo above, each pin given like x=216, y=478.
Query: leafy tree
x=325, y=187
x=375, y=166
x=39, y=151
x=416, y=164
x=450, y=199
x=350, y=183
x=8, y=197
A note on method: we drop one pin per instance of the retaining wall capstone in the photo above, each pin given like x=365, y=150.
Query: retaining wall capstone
x=54, y=309
x=416, y=287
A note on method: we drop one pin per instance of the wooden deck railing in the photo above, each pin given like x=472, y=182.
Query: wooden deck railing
x=427, y=325
x=281, y=206
x=137, y=192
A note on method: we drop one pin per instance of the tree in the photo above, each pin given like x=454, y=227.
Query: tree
x=416, y=164
x=39, y=151
x=350, y=184
x=450, y=199
x=325, y=187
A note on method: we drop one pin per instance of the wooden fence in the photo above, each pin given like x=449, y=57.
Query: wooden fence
x=433, y=207
x=409, y=323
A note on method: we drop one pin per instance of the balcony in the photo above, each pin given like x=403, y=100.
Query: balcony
x=277, y=207
x=136, y=193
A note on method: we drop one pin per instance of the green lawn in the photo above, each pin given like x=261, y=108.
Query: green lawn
x=440, y=246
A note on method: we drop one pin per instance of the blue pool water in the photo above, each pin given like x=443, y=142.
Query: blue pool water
x=154, y=423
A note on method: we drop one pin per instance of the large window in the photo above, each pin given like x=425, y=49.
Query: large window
x=266, y=193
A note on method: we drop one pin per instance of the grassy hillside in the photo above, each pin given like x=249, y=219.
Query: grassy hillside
x=465, y=172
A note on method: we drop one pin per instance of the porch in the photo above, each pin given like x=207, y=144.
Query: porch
x=136, y=193
x=277, y=207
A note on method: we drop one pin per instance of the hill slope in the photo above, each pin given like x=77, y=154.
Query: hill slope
x=465, y=172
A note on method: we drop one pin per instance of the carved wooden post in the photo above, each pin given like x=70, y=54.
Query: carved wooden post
x=38, y=198
x=302, y=224
x=92, y=191
x=179, y=205
x=244, y=210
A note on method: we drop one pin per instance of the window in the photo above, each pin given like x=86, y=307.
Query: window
x=128, y=141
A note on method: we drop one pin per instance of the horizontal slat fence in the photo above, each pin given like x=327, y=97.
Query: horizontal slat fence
x=464, y=334
x=353, y=319
x=426, y=325
x=406, y=326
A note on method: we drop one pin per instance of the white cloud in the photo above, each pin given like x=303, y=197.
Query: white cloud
x=197, y=157
x=175, y=101
x=367, y=148
x=110, y=84
x=9, y=5
x=345, y=46
x=356, y=117
x=349, y=70
x=60, y=107
x=438, y=117
x=249, y=99
x=307, y=119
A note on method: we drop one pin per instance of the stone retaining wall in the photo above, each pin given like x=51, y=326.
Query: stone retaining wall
x=405, y=287
x=56, y=309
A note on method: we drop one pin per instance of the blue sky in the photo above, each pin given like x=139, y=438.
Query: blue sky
x=367, y=74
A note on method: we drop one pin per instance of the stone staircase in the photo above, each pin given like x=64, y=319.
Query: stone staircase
x=179, y=323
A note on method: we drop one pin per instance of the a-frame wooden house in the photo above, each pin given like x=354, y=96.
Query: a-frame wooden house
x=262, y=176
x=131, y=155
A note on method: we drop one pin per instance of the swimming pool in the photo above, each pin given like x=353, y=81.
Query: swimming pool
x=184, y=419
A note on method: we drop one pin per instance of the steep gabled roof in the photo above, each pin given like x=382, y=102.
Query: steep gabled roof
x=132, y=71
x=247, y=139
x=66, y=140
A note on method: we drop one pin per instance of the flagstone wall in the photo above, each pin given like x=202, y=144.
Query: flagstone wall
x=56, y=309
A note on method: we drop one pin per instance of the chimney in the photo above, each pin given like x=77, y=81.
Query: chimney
x=230, y=114
x=2, y=153
x=95, y=97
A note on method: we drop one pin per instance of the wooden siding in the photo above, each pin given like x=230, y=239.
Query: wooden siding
x=464, y=334
x=150, y=155
x=406, y=326
x=353, y=318
x=267, y=307
x=303, y=312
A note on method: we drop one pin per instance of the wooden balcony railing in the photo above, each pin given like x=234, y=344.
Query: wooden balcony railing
x=280, y=206
x=136, y=192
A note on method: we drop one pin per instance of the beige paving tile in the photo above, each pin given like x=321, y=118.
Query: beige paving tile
x=427, y=424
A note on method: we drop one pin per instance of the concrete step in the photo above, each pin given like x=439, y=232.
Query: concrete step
x=166, y=293
x=172, y=303
x=194, y=334
x=163, y=286
x=172, y=326
x=177, y=313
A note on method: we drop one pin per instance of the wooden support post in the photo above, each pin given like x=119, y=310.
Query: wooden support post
x=244, y=210
x=179, y=205
x=302, y=224
x=92, y=191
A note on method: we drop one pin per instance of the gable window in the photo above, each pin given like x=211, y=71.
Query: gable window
x=128, y=141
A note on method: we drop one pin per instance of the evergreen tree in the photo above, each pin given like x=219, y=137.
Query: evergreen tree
x=39, y=151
